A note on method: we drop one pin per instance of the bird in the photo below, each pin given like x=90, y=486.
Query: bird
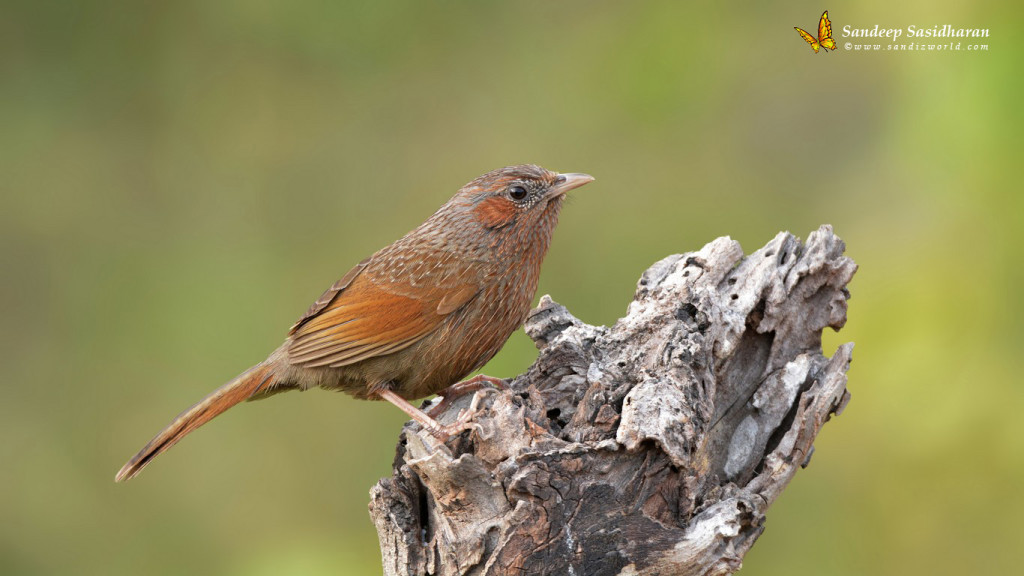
x=418, y=315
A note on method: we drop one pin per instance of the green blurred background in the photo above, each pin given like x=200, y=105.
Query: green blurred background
x=181, y=179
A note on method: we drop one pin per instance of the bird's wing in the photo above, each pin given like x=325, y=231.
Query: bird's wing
x=364, y=315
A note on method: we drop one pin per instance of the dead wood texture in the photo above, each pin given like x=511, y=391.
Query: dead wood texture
x=652, y=447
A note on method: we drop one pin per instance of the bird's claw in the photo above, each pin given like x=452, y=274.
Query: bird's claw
x=463, y=422
x=457, y=390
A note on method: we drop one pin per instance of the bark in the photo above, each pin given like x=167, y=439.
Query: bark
x=651, y=447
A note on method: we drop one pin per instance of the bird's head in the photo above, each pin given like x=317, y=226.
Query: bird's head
x=520, y=197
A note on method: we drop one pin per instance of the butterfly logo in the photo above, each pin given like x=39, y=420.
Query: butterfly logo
x=824, y=38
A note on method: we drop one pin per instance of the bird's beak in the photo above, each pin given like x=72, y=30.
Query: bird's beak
x=566, y=182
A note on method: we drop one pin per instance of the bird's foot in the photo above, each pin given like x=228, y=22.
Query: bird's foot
x=457, y=390
x=435, y=428
x=463, y=422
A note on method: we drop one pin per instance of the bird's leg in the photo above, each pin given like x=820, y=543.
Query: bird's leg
x=435, y=428
x=457, y=390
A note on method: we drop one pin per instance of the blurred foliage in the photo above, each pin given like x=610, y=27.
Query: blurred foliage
x=181, y=179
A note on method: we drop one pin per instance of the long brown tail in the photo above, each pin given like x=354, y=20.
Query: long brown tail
x=258, y=378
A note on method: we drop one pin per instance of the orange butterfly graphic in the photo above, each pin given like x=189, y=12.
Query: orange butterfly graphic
x=824, y=39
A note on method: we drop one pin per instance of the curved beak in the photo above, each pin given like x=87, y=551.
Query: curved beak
x=570, y=181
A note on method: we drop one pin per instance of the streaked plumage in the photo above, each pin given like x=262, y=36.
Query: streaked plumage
x=418, y=315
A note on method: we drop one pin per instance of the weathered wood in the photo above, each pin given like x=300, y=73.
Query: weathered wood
x=651, y=447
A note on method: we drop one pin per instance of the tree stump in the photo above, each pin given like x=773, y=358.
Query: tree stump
x=651, y=447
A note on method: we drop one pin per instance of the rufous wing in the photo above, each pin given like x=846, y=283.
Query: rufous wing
x=368, y=318
x=810, y=39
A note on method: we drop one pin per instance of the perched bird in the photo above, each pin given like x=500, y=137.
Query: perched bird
x=417, y=316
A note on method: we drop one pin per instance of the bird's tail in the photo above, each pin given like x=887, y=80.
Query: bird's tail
x=259, y=378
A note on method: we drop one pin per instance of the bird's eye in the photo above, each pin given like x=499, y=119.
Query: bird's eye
x=517, y=192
